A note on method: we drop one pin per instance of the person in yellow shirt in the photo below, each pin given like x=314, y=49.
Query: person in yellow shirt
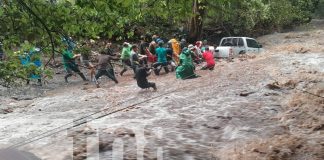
x=176, y=49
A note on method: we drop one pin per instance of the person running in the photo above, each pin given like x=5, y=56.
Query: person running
x=125, y=57
x=161, y=54
x=105, y=67
x=185, y=70
x=142, y=72
x=209, y=58
x=70, y=65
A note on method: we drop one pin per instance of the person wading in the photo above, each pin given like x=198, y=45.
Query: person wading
x=176, y=48
x=135, y=58
x=185, y=70
x=70, y=65
x=125, y=57
x=209, y=58
x=161, y=54
x=142, y=72
x=105, y=67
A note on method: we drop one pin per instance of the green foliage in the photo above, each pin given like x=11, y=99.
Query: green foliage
x=245, y=17
x=42, y=23
x=319, y=11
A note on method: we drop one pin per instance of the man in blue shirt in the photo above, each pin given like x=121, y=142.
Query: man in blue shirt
x=161, y=54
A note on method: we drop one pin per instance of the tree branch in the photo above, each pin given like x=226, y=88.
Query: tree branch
x=29, y=10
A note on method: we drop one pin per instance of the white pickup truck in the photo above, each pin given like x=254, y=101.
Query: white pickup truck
x=233, y=46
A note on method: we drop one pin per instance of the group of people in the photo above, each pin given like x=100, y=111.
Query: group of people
x=145, y=58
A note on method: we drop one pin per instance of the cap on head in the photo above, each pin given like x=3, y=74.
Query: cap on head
x=160, y=43
x=125, y=44
x=191, y=47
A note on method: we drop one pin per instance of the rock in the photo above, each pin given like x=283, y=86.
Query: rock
x=245, y=93
x=318, y=127
x=106, y=143
x=257, y=151
x=271, y=94
x=302, y=50
x=6, y=111
x=19, y=98
x=121, y=132
x=212, y=126
x=225, y=117
x=273, y=86
x=291, y=84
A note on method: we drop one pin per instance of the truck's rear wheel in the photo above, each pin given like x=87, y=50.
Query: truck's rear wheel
x=242, y=52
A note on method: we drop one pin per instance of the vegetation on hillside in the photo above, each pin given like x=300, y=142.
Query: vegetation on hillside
x=42, y=23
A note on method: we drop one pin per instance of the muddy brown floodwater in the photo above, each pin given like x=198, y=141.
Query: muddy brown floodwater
x=268, y=106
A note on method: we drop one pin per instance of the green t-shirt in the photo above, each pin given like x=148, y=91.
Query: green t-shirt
x=126, y=52
x=68, y=59
x=161, y=54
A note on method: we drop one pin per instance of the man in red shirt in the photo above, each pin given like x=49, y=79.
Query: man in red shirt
x=209, y=58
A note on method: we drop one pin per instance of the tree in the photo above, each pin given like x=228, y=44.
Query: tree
x=196, y=20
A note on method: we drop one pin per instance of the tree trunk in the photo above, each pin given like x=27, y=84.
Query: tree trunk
x=196, y=21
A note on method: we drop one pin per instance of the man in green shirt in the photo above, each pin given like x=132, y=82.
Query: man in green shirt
x=70, y=65
x=125, y=57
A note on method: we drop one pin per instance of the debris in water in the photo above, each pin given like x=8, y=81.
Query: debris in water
x=273, y=86
x=246, y=93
